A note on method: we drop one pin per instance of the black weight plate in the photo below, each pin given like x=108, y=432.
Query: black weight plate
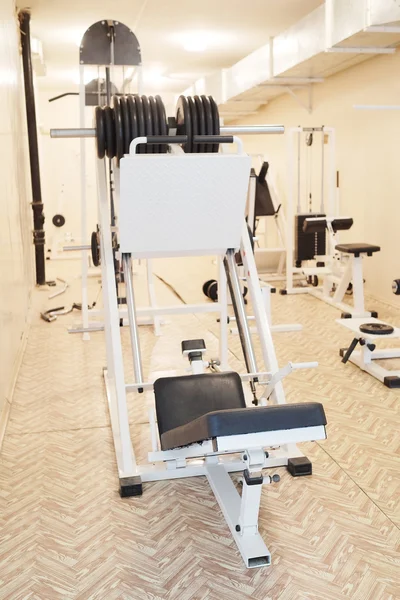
x=209, y=121
x=215, y=114
x=119, y=131
x=100, y=132
x=162, y=119
x=58, y=220
x=156, y=123
x=141, y=122
x=110, y=131
x=126, y=125
x=133, y=117
x=148, y=120
x=201, y=121
x=94, y=243
x=377, y=328
x=184, y=122
x=195, y=124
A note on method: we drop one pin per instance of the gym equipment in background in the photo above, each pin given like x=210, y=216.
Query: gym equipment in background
x=204, y=426
x=314, y=251
x=266, y=212
x=367, y=334
x=343, y=269
x=309, y=194
x=113, y=49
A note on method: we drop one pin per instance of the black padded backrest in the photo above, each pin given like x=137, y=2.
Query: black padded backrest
x=264, y=207
x=180, y=400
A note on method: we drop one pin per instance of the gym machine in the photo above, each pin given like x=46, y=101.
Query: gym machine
x=313, y=247
x=264, y=208
x=114, y=51
x=367, y=334
x=178, y=195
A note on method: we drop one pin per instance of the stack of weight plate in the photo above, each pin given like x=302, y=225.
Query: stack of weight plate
x=134, y=116
x=129, y=117
x=197, y=116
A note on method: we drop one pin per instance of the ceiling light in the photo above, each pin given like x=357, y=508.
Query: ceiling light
x=195, y=44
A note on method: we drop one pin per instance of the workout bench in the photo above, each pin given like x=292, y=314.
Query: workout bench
x=339, y=278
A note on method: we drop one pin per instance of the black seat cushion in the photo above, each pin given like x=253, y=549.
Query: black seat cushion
x=358, y=249
x=180, y=400
x=243, y=421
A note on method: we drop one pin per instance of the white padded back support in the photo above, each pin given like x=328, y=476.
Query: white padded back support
x=182, y=205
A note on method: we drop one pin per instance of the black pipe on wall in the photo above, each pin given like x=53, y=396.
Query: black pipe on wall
x=37, y=204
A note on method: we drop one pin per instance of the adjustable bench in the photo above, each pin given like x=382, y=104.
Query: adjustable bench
x=206, y=415
x=353, y=274
x=339, y=279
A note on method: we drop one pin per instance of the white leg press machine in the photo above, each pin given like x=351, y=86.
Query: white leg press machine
x=193, y=204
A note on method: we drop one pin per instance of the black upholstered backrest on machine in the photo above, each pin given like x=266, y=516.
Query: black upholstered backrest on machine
x=180, y=400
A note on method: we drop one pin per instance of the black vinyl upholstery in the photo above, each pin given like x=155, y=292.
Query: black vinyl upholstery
x=195, y=408
x=182, y=399
x=358, y=249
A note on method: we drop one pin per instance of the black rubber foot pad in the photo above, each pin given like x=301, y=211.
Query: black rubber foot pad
x=345, y=316
x=283, y=292
x=342, y=352
x=392, y=381
x=299, y=466
x=130, y=486
x=374, y=314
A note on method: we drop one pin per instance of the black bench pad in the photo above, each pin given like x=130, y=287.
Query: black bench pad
x=181, y=399
x=240, y=421
x=358, y=249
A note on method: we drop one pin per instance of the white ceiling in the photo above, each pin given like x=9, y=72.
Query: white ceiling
x=233, y=29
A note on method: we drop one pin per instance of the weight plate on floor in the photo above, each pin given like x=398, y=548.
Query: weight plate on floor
x=209, y=121
x=215, y=116
x=377, y=328
x=100, y=132
x=59, y=220
x=195, y=124
x=141, y=122
x=110, y=131
x=148, y=122
x=162, y=119
x=133, y=117
x=156, y=123
x=201, y=121
x=119, y=131
x=184, y=122
x=126, y=126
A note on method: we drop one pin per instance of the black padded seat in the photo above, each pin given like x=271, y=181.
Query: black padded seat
x=358, y=249
x=194, y=408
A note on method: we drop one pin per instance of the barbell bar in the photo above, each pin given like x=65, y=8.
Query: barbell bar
x=225, y=130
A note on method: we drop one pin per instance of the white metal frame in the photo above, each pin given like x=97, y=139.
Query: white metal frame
x=365, y=357
x=213, y=458
x=294, y=139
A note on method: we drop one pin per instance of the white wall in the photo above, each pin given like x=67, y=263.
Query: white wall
x=367, y=154
x=16, y=274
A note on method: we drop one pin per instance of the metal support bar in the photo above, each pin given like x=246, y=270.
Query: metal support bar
x=240, y=311
x=133, y=328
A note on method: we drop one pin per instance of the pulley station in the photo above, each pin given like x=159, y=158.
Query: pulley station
x=181, y=189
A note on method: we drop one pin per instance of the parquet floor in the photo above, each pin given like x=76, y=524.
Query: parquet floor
x=65, y=534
